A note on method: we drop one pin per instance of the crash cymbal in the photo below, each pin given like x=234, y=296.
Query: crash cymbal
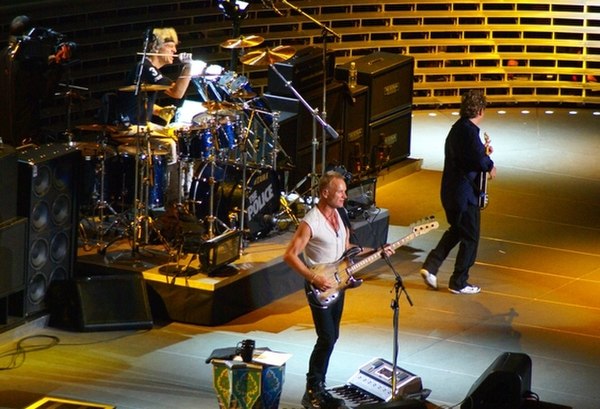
x=268, y=56
x=98, y=128
x=243, y=42
x=244, y=94
x=145, y=88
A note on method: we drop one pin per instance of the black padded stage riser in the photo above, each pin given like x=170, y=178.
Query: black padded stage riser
x=100, y=303
x=47, y=192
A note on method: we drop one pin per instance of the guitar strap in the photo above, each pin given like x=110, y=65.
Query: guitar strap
x=346, y=219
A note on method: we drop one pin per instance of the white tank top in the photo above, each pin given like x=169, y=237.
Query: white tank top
x=325, y=244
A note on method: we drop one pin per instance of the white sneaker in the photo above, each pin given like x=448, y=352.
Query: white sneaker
x=467, y=289
x=429, y=279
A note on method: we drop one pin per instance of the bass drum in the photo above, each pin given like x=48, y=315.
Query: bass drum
x=262, y=196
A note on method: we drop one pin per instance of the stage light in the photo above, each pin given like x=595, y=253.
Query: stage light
x=234, y=9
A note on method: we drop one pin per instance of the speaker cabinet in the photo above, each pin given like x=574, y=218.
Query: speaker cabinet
x=47, y=197
x=333, y=154
x=355, y=157
x=8, y=182
x=503, y=385
x=100, y=303
x=304, y=71
x=296, y=133
x=12, y=253
x=389, y=78
x=389, y=139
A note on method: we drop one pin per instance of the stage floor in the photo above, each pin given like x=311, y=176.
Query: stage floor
x=538, y=266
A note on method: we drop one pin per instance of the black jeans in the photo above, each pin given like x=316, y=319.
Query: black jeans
x=327, y=325
x=464, y=230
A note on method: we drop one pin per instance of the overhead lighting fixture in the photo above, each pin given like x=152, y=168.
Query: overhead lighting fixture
x=234, y=9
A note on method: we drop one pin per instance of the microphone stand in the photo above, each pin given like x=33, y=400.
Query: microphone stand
x=325, y=32
x=316, y=118
x=395, y=306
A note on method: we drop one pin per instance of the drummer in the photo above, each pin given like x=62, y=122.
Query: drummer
x=162, y=51
x=141, y=111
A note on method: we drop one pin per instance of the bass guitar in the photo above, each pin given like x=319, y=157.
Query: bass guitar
x=342, y=271
x=483, y=177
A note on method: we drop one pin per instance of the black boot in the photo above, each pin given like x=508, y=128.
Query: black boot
x=317, y=397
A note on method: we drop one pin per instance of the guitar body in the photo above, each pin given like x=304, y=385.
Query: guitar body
x=483, y=178
x=342, y=271
x=336, y=271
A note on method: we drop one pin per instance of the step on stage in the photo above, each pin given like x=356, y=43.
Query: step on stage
x=254, y=280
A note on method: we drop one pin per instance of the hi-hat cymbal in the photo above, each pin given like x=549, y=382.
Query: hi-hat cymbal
x=268, y=56
x=243, y=42
x=244, y=94
x=145, y=88
x=216, y=106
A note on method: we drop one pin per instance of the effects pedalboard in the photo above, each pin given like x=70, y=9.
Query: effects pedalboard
x=372, y=383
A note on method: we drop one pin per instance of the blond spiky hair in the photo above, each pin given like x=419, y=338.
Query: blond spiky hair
x=164, y=35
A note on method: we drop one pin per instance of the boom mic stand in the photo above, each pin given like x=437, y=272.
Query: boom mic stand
x=316, y=118
x=326, y=128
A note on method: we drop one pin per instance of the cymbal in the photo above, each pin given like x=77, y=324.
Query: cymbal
x=244, y=94
x=145, y=88
x=268, y=56
x=92, y=150
x=98, y=128
x=216, y=106
x=243, y=42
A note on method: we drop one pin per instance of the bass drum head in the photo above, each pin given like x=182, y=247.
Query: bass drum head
x=261, y=202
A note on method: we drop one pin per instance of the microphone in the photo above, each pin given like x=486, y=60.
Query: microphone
x=270, y=4
x=148, y=35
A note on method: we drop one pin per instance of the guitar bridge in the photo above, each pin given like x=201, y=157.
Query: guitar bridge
x=354, y=282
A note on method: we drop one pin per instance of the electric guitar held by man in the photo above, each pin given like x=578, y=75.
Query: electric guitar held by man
x=342, y=271
x=483, y=177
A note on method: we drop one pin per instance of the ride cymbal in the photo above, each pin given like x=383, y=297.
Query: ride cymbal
x=243, y=42
x=145, y=88
x=268, y=56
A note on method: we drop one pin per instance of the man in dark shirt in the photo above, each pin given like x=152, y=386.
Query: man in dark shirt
x=466, y=157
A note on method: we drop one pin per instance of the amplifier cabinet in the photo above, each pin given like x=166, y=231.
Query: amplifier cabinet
x=8, y=182
x=304, y=71
x=389, y=78
x=389, y=139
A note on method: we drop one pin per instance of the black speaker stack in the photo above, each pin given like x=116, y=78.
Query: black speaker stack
x=379, y=115
x=373, y=119
x=12, y=241
x=47, y=191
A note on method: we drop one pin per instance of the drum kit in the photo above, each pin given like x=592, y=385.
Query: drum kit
x=216, y=162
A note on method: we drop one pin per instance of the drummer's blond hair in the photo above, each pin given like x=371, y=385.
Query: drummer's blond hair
x=164, y=35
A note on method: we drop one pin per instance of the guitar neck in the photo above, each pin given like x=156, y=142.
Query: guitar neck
x=359, y=265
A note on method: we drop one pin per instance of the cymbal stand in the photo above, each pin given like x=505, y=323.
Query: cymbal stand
x=101, y=203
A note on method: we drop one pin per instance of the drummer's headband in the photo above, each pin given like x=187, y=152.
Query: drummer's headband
x=164, y=35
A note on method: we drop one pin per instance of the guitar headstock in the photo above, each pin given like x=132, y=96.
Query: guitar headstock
x=425, y=225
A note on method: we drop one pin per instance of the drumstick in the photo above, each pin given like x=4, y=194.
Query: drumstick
x=159, y=54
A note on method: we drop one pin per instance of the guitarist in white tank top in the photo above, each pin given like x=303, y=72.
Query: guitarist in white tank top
x=322, y=237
